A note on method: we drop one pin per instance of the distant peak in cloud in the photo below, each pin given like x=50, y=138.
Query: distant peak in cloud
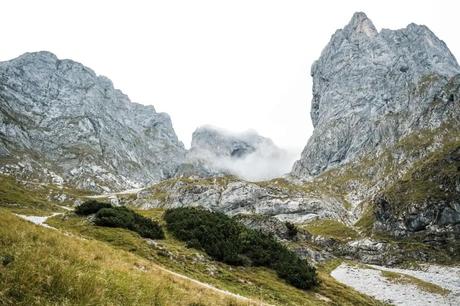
x=244, y=154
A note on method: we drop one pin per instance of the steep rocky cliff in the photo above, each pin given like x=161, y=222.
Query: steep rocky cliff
x=386, y=111
x=371, y=89
x=61, y=122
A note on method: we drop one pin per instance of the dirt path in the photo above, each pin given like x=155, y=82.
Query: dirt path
x=209, y=286
x=114, y=194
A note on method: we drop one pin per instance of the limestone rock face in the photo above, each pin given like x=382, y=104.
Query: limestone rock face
x=371, y=89
x=60, y=117
x=233, y=197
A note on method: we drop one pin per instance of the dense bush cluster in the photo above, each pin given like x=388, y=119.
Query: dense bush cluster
x=127, y=218
x=228, y=241
x=90, y=207
x=107, y=215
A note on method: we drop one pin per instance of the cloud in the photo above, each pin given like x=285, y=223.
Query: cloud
x=260, y=159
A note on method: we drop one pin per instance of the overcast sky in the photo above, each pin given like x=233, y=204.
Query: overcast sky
x=234, y=64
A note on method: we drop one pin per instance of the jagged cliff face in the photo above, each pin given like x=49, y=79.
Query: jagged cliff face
x=371, y=89
x=60, y=121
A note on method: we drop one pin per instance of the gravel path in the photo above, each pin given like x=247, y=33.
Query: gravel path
x=371, y=282
x=39, y=220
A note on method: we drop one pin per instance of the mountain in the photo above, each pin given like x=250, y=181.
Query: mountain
x=378, y=183
x=383, y=158
x=247, y=155
x=386, y=113
x=221, y=143
x=60, y=122
x=371, y=89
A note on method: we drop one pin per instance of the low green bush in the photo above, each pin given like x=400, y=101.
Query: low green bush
x=90, y=207
x=228, y=241
x=147, y=228
x=126, y=218
x=115, y=217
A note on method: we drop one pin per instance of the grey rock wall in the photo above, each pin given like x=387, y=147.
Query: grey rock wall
x=59, y=115
x=370, y=89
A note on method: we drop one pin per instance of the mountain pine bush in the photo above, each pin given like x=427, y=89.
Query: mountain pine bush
x=230, y=242
x=109, y=216
x=90, y=207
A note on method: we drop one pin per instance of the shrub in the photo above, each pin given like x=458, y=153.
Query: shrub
x=115, y=217
x=228, y=241
x=291, y=230
x=296, y=271
x=126, y=218
x=90, y=207
x=147, y=228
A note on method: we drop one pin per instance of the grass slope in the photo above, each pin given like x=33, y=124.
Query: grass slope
x=45, y=267
x=83, y=264
x=257, y=283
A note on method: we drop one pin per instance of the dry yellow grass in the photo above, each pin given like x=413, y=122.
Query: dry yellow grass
x=44, y=267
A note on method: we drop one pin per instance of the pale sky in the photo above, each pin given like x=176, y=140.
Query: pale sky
x=234, y=64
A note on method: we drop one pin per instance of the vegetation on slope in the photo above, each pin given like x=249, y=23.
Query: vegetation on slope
x=408, y=279
x=331, y=229
x=91, y=207
x=107, y=215
x=44, y=267
x=226, y=240
x=433, y=179
x=117, y=261
x=27, y=197
x=258, y=283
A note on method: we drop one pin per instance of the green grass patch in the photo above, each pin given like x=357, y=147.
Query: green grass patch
x=331, y=229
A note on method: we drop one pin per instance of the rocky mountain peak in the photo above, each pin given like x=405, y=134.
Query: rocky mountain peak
x=59, y=116
x=360, y=24
x=370, y=89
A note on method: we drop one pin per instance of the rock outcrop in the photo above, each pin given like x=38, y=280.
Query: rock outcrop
x=425, y=204
x=61, y=122
x=371, y=89
x=278, y=198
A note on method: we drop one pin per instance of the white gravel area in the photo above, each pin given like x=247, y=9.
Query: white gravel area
x=371, y=282
x=39, y=220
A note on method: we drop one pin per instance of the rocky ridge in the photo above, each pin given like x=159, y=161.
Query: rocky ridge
x=371, y=89
x=61, y=123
